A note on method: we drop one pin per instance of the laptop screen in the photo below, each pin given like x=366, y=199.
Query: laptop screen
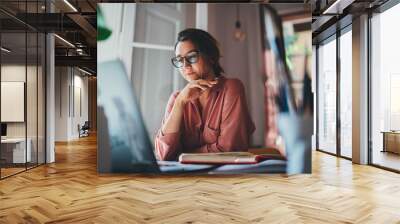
x=123, y=137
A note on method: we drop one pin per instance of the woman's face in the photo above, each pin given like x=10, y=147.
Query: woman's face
x=192, y=71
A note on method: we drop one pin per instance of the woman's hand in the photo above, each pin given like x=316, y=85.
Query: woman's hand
x=194, y=89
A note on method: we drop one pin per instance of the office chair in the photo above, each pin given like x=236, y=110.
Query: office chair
x=84, y=130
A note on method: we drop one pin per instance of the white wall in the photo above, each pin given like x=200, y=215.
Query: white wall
x=33, y=126
x=69, y=82
x=61, y=103
x=80, y=83
x=14, y=72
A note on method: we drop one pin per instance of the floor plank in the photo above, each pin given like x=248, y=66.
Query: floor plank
x=71, y=191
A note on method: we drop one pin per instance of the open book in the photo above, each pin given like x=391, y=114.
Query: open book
x=227, y=158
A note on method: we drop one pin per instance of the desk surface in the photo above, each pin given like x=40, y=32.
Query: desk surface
x=13, y=140
x=390, y=132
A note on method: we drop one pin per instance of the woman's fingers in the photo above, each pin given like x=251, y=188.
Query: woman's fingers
x=200, y=84
x=206, y=82
x=202, y=87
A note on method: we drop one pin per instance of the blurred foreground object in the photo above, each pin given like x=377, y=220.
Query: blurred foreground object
x=102, y=31
x=291, y=119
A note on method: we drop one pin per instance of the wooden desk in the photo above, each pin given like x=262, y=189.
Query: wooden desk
x=13, y=150
x=391, y=141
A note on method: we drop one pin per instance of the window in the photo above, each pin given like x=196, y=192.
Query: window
x=146, y=38
x=334, y=93
x=385, y=88
x=327, y=96
x=346, y=93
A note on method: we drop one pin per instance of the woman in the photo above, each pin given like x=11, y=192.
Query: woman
x=210, y=113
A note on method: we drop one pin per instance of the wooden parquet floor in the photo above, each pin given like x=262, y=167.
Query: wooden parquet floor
x=71, y=191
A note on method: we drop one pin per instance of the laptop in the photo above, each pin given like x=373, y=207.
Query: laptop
x=124, y=145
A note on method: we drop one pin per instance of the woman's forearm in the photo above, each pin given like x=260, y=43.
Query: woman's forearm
x=173, y=122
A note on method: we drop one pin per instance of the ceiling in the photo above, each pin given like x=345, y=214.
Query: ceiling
x=330, y=15
x=75, y=23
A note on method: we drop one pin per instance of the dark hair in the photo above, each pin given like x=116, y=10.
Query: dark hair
x=205, y=43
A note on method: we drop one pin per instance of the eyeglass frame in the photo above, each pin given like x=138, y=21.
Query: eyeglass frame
x=186, y=59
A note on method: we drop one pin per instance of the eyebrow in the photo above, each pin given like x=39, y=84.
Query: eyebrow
x=193, y=50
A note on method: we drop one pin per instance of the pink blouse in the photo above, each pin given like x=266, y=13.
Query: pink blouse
x=223, y=125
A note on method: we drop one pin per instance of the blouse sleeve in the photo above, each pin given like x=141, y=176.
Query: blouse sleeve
x=236, y=125
x=167, y=145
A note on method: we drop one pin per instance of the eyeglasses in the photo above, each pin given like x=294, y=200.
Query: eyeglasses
x=190, y=58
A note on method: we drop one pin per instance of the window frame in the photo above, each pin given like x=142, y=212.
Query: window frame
x=346, y=27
